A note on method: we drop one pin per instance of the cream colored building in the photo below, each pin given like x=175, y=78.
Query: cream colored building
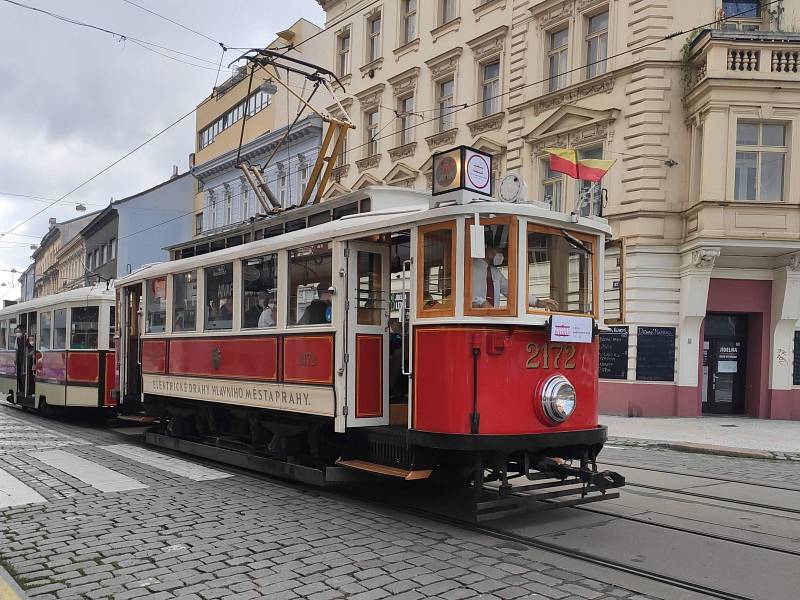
x=704, y=199
x=56, y=258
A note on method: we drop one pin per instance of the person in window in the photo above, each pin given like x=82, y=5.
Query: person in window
x=24, y=356
x=489, y=284
x=267, y=307
x=319, y=311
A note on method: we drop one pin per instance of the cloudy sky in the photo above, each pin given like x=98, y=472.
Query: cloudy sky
x=73, y=99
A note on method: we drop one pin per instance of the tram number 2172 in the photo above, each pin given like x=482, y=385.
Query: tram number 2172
x=541, y=356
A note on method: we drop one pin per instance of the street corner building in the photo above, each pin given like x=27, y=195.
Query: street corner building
x=703, y=265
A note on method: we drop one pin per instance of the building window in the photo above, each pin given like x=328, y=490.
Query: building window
x=303, y=177
x=97, y=262
x=748, y=9
x=228, y=206
x=405, y=120
x=282, y=188
x=343, y=53
x=760, y=161
x=597, y=45
x=371, y=132
x=105, y=253
x=245, y=197
x=557, y=59
x=444, y=104
x=310, y=301
x=184, y=301
x=409, y=20
x=259, y=291
x=198, y=223
x=374, y=37
x=490, y=88
x=256, y=102
x=590, y=192
x=447, y=11
x=219, y=297
x=552, y=186
x=113, y=248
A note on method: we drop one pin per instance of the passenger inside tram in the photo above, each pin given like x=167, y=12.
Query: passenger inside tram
x=319, y=311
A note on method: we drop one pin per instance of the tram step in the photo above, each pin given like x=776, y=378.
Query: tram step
x=362, y=465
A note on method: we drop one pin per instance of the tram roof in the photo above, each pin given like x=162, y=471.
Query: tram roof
x=84, y=295
x=393, y=208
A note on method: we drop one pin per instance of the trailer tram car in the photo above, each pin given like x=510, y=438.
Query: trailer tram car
x=380, y=331
x=64, y=354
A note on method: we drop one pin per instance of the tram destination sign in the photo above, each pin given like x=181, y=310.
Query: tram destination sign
x=462, y=168
x=312, y=400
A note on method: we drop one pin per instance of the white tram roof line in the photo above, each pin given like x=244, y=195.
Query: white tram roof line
x=80, y=296
x=376, y=221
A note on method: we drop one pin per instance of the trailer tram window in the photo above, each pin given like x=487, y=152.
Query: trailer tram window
x=45, y=327
x=219, y=297
x=560, y=271
x=112, y=326
x=84, y=328
x=310, y=301
x=184, y=301
x=3, y=334
x=156, y=302
x=60, y=329
x=435, y=284
x=12, y=339
x=259, y=291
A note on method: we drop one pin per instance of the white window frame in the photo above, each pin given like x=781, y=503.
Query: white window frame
x=374, y=42
x=760, y=149
x=343, y=55
x=283, y=180
x=552, y=179
x=408, y=18
x=444, y=111
x=405, y=120
x=371, y=131
x=303, y=173
x=601, y=67
x=590, y=208
x=560, y=80
x=492, y=106
x=447, y=11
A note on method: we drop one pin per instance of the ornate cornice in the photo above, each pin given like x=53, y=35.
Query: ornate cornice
x=371, y=97
x=704, y=258
x=485, y=124
x=489, y=44
x=549, y=13
x=373, y=66
x=595, y=131
x=575, y=93
x=443, y=138
x=370, y=162
x=441, y=30
x=794, y=262
x=340, y=172
x=405, y=81
x=444, y=64
x=403, y=151
x=412, y=46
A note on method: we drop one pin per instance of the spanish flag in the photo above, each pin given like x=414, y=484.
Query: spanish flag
x=565, y=160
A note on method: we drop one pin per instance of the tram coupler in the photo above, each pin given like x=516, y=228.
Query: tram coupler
x=602, y=480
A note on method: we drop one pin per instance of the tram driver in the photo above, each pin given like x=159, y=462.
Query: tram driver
x=489, y=283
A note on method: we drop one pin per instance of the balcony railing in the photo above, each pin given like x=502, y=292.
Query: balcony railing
x=745, y=55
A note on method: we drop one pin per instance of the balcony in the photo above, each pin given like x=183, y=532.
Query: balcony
x=744, y=55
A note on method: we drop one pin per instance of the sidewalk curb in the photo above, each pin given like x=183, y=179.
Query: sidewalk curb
x=9, y=589
x=705, y=449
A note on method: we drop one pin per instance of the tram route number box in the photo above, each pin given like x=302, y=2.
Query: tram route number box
x=462, y=168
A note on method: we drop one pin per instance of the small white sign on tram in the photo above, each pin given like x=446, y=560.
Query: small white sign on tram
x=462, y=168
x=566, y=328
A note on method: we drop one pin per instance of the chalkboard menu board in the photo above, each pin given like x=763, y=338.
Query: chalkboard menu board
x=796, y=370
x=655, y=354
x=614, y=353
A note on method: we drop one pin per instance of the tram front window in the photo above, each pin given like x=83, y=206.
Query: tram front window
x=435, y=279
x=84, y=328
x=310, y=301
x=219, y=297
x=45, y=326
x=560, y=270
x=3, y=335
x=259, y=283
x=491, y=279
x=184, y=301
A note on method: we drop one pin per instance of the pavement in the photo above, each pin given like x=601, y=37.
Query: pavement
x=726, y=436
x=85, y=514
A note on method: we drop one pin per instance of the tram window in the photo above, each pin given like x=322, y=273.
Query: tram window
x=491, y=282
x=343, y=211
x=219, y=297
x=3, y=334
x=369, y=290
x=84, y=321
x=319, y=218
x=156, y=302
x=560, y=272
x=12, y=338
x=45, y=328
x=310, y=301
x=112, y=326
x=59, y=330
x=184, y=301
x=435, y=279
x=259, y=283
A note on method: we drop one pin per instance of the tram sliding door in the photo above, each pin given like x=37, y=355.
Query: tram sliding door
x=129, y=361
x=367, y=330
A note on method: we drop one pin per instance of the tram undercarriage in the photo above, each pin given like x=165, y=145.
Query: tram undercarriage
x=497, y=481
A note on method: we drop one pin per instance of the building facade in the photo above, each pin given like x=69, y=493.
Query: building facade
x=702, y=284
x=26, y=283
x=49, y=276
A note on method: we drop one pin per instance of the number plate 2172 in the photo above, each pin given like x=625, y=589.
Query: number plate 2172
x=547, y=355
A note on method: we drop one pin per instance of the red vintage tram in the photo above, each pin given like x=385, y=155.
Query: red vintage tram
x=380, y=331
x=57, y=350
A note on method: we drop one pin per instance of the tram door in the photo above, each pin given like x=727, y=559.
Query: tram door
x=130, y=372
x=367, y=330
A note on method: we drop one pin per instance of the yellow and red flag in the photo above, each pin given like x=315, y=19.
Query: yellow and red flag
x=565, y=160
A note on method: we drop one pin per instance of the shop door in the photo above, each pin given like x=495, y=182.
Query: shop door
x=367, y=330
x=724, y=364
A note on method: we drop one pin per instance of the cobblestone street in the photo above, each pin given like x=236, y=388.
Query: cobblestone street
x=179, y=529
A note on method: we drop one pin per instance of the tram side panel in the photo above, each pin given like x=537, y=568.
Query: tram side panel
x=512, y=366
x=8, y=372
x=79, y=379
x=51, y=377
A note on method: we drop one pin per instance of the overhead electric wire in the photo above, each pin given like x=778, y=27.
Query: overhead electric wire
x=174, y=22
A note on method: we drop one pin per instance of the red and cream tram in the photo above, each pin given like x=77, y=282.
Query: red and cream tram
x=58, y=350
x=380, y=331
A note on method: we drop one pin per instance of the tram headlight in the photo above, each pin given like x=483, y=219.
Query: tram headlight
x=558, y=399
